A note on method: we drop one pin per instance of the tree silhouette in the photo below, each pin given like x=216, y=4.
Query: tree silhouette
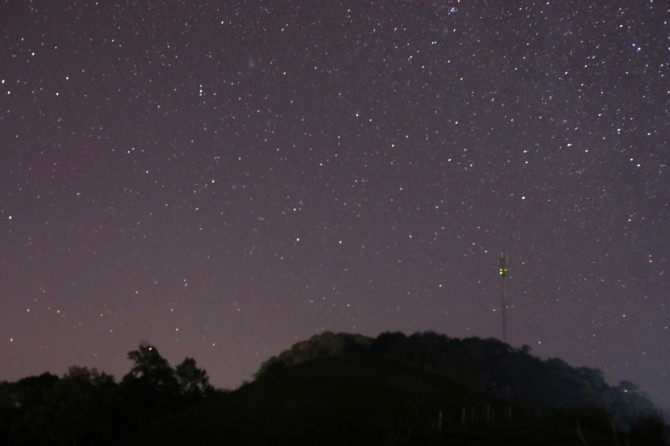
x=150, y=388
x=27, y=410
x=83, y=402
x=150, y=365
x=193, y=382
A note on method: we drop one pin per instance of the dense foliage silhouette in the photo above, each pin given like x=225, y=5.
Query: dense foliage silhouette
x=487, y=365
x=334, y=389
x=85, y=406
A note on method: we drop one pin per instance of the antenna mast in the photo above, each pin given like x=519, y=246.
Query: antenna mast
x=503, y=273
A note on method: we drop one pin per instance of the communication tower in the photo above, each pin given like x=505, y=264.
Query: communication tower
x=503, y=273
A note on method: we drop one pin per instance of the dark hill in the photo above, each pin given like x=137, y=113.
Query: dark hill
x=486, y=365
x=364, y=399
x=336, y=389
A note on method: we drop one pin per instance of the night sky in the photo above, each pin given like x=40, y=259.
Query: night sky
x=223, y=179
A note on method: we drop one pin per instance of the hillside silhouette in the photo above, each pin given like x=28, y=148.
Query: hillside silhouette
x=487, y=365
x=423, y=389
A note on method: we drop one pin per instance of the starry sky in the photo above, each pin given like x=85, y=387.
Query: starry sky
x=225, y=178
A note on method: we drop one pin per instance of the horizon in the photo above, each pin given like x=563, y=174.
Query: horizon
x=665, y=408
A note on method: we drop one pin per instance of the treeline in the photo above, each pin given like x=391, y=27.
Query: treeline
x=391, y=386
x=89, y=407
x=494, y=367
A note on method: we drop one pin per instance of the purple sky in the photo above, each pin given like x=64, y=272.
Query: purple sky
x=223, y=179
